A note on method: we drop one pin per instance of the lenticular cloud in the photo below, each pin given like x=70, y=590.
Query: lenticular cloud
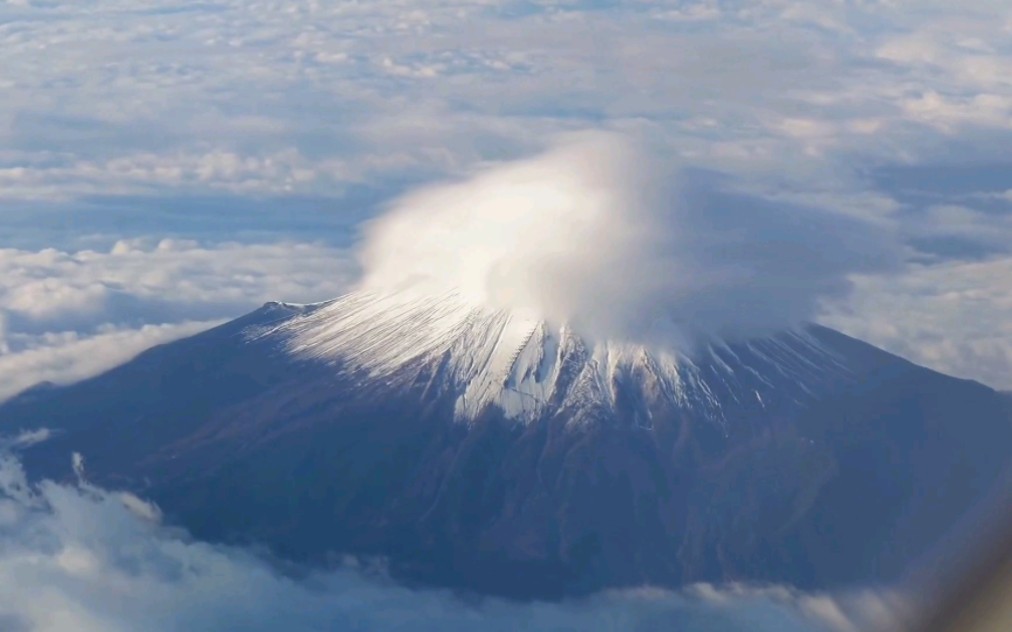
x=598, y=233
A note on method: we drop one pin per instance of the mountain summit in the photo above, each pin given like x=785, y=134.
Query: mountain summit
x=478, y=448
x=528, y=368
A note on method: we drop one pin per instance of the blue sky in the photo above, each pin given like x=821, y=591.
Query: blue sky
x=167, y=164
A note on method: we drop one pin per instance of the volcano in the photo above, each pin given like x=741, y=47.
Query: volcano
x=574, y=372
x=485, y=449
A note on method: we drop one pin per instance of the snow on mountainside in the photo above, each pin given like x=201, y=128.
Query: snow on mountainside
x=527, y=366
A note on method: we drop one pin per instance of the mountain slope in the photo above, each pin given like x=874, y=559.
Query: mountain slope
x=529, y=368
x=480, y=449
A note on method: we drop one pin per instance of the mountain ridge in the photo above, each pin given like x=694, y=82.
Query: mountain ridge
x=524, y=364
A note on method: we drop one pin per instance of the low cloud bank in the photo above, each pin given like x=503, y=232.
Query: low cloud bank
x=82, y=559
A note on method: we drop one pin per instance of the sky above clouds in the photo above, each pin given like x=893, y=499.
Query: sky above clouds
x=171, y=163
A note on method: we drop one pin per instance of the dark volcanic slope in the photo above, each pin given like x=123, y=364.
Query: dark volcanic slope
x=240, y=442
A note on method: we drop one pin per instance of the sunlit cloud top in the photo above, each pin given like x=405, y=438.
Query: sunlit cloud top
x=601, y=234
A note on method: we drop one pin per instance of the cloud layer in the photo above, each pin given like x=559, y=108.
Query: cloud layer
x=253, y=100
x=82, y=559
x=600, y=233
x=69, y=315
x=954, y=317
x=138, y=280
x=261, y=97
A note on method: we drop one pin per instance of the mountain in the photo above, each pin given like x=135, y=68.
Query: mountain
x=482, y=449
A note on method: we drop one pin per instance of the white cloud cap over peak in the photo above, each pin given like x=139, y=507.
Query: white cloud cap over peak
x=599, y=232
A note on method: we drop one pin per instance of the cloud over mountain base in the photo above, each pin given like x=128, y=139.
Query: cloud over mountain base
x=82, y=559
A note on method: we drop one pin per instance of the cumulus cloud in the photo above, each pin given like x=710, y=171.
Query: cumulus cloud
x=138, y=280
x=599, y=233
x=76, y=558
x=267, y=97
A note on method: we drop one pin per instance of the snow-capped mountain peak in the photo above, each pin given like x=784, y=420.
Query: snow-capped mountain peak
x=529, y=367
